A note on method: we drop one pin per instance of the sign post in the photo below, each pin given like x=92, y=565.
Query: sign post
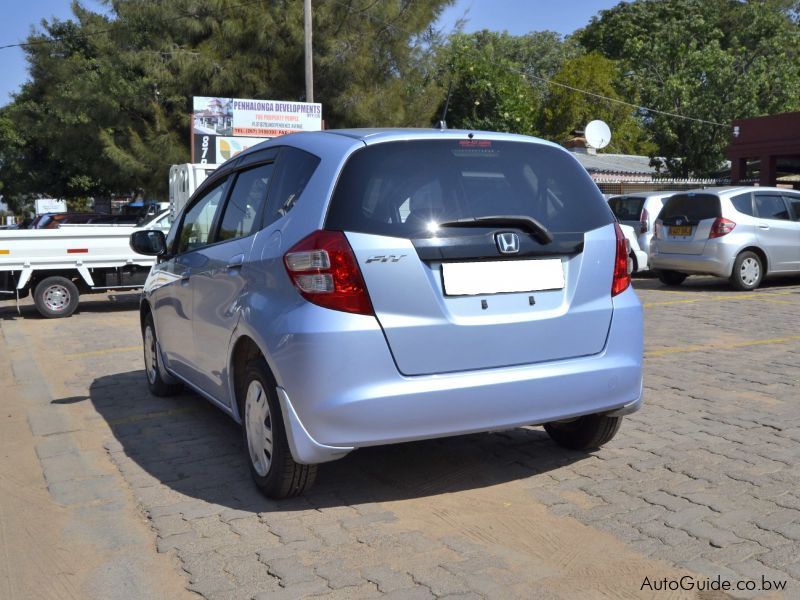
x=224, y=127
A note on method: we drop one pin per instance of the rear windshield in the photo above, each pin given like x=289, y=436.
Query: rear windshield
x=693, y=207
x=626, y=208
x=399, y=188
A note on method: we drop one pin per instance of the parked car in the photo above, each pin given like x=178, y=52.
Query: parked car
x=635, y=253
x=340, y=289
x=740, y=233
x=640, y=210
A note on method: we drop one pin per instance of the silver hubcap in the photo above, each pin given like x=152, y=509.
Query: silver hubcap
x=750, y=271
x=258, y=424
x=56, y=297
x=150, y=363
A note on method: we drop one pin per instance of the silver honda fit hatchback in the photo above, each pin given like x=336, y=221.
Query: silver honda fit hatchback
x=740, y=233
x=341, y=289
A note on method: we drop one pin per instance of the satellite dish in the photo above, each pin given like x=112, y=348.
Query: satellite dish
x=597, y=134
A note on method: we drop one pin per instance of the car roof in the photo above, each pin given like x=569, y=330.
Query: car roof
x=729, y=190
x=374, y=135
x=651, y=194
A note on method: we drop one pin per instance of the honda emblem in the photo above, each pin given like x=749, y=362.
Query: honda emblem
x=507, y=242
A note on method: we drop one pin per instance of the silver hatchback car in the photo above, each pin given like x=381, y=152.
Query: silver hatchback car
x=740, y=233
x=341, y=289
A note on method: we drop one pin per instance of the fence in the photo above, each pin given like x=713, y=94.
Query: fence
x=614, y=186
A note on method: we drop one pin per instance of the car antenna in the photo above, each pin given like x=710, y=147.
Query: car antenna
x=442, y=124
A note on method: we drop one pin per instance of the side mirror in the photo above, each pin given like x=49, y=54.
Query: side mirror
x=150, y=242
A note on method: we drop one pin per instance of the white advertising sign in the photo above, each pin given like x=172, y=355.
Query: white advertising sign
x=270, y=118
x=50, y=205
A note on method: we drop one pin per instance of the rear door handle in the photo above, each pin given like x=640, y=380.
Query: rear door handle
x=765, y=227
x=185, y=276
x=235, y=262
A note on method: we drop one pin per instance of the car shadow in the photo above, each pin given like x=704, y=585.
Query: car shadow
x=90, y=303
x=192, y=447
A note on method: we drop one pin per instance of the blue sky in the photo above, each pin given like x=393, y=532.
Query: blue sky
x=514, y=16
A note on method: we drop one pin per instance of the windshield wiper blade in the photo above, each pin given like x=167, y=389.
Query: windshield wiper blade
x=529, y=224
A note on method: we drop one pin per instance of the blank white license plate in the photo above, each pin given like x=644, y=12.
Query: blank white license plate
x=496, y=277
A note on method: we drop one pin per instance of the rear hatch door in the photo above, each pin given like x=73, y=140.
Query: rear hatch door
x=685, y=222
x=455, y=298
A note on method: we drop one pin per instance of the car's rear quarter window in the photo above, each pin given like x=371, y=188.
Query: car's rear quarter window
x=743, y=203
x=399, y=188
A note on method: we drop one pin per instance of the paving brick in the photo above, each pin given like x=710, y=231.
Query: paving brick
x=387, y=579
x=290, y=571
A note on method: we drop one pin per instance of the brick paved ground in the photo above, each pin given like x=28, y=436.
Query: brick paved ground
x=705, y=479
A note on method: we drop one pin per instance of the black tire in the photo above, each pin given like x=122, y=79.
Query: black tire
x=584, y=433
x=56, y=297
x=634, y=263
x=748, y=271
x=152, y=368
x=279, y=476
x=671, y=277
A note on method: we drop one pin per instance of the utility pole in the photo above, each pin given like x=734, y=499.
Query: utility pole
x=309, y=55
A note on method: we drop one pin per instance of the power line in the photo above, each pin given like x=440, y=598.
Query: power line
x=569, y=87
x=618, y=101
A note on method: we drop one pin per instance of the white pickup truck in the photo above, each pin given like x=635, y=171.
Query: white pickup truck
x=57, y=265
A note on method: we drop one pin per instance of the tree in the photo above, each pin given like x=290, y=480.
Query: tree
x=495, y=77
x=710, y=60
x=566, y=109
x=489, y=89
x=107, y=108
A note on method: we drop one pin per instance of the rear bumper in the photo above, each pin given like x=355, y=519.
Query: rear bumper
x=716, y=259
x=328, y=414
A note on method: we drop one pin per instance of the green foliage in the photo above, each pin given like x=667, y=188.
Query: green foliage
x=490, y=91
x=716, y=60
x=79, y=204
x=108, y=113
x=566, y=109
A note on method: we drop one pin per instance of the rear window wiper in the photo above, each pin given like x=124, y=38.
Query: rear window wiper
x=529, y=224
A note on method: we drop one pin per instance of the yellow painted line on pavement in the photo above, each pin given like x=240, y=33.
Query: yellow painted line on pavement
x=759, y=296
x=152, y=415
x=728, y=346
x=106, y=351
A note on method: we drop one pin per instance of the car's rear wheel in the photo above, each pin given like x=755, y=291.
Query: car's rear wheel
x=56, y=297
x=152, y=368
x=271, y=464
x=634, y=263
x=671, y=277
x=584, y=433
x=748, y=271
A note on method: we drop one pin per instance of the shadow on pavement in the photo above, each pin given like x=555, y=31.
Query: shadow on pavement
x=192, y=447
x=90, y=303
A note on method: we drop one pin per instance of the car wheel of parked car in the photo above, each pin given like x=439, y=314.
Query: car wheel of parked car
x=671, y=277
x=748, y=271
x=634, y=263
x=270, y=460
x=155, y=382
x=56, y=297
x=584, y=433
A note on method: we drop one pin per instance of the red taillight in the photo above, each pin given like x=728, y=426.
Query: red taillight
x=643, y=221
x=324, y=270
x=721, y=227
x=622, y=273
